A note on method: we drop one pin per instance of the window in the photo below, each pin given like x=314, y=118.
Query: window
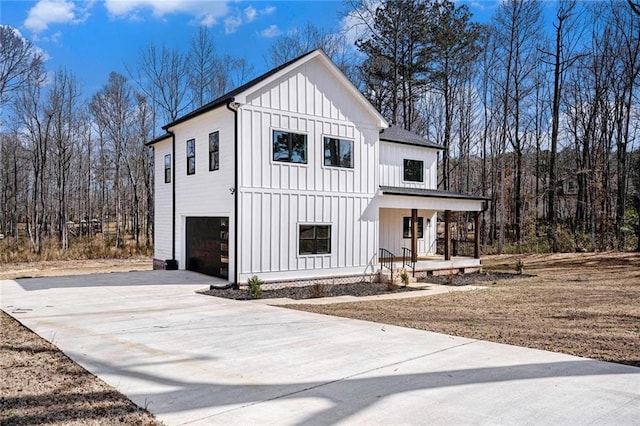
x=289, y=147
x=214, y=147
x=315, y=239
x=413, y=170
x=338, y=152
x=167, y=168
x=191, y=156
x=406, y=227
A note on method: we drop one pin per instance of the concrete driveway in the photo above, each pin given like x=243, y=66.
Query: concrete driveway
x=193, y=359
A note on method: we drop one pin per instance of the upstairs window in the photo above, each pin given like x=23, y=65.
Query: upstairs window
x=315, y=239
x=413, y=171
x=289, y=147
x=214, y=149
x=338, y=152
x=406, y=227
x=167, y=168
x=191, y=156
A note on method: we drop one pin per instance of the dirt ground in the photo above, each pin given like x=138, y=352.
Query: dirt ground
x=12, y=271
x=40, y=385
x=585, y=304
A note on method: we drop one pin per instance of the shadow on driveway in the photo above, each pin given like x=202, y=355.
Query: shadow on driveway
x=117, y=279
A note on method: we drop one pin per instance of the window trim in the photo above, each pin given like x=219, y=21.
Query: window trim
x=340, y=138
x=420, y=225
x=216, y=152
x=314, y=224
x=193, y=140
x=404, y=171
x=297, y=132
x=167, y=168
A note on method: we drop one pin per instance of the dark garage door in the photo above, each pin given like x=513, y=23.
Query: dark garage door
x=208, y=245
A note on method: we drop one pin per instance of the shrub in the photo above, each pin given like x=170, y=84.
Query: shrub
x=404, y=277
x=319, y=290
x=255, y=287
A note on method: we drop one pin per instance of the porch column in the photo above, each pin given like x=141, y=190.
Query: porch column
x=447, y=235
x=414, y=235
x=476, y=235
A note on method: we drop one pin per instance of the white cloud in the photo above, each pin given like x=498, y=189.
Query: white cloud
x=250, y=13
x=204, y=12
x=231, y=24
x=268, y=10
x=354, y=24
x=271, y=31
x=47, y=12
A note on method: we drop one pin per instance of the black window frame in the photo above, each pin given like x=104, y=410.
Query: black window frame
x=409, y=174
x=167, y=168
x=214, y=151
x=290, y=146
x=191, y=157
x=406, y=227
x=315, y=244
x=338, y=142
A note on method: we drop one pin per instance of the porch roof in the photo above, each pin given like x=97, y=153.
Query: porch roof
x=430, y=199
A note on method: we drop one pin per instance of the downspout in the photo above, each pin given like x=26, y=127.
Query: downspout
x=236, y=270
x=173, y=201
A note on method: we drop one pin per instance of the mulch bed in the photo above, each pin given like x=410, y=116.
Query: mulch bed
x=360, y=289
x=312, y=291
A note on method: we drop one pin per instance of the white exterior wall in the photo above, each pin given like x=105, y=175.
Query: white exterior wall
x=205, y=193
x=392, y=156
x=277, y=197
x=391, y=231
x=162, y=203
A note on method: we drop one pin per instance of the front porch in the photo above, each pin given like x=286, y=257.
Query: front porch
x=428, y=265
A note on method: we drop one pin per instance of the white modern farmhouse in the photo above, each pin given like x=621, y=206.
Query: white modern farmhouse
x=295, y=176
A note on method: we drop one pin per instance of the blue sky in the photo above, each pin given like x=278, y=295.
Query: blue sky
x=93, y=38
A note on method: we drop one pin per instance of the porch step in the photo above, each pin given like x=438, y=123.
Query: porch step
x=384, y=276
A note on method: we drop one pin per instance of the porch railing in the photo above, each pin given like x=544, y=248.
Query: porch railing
x=386, y=260
x=407, y=260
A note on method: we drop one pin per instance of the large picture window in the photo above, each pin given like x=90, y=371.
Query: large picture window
x=338, y=152
x=214, y=151
x=315, y=239
x=289, y=147
x=406, y=227
x=414, y=171
x=191, y=156
x=167, y=168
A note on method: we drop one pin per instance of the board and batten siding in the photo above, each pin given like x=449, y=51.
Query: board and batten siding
x=162, y=202
x=392, y=156
x=277, y=197
x=205, y=193
x=391, y=231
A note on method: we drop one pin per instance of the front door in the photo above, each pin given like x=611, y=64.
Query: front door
x=207, y=245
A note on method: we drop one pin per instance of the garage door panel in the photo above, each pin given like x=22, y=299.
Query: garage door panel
x=207, y=241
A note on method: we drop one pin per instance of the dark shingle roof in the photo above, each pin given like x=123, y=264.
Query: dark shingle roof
x=430, y=193
x=399, y=135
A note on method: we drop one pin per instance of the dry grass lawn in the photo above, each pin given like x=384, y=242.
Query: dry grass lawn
x=40, y=385
x=585, y=304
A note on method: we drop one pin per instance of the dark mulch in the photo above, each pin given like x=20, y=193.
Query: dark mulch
x=360, y=289
x=313, y=291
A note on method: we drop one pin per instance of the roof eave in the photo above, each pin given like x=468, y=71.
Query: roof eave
x=158, y=139
x=436, y=147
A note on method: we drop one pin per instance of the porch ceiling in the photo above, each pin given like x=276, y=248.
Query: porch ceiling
x=429, y=199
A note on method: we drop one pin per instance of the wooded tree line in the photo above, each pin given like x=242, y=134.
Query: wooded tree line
x=536, y=109
x=74, y=164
